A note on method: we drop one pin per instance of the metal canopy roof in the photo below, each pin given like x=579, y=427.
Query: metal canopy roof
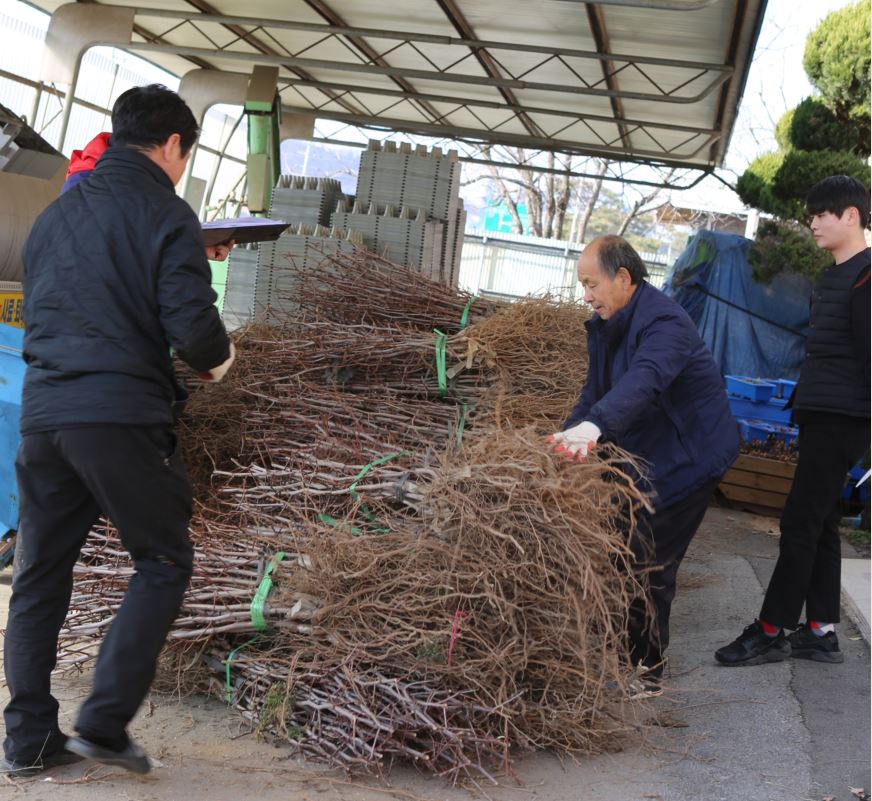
x=652, y=81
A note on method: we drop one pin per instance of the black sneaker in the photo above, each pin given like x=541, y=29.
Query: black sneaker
x=805, y=644
x=132, y=758
x=23, y=768
x=754, y=647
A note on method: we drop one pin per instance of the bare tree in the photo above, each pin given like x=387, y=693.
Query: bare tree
x=549, y=194
x=644, y=204
x=505, y=195
x=580, y=231
x=546, y=196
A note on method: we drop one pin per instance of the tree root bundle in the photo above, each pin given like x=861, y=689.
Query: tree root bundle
x=390, y=564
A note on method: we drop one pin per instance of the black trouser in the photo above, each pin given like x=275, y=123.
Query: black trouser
x=659, y=545
x=66, y=479
x=809, y=566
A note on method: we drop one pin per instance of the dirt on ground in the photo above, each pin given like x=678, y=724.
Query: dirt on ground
x=702, y=739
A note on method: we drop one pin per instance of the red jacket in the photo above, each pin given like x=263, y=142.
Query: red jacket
x=83, y=161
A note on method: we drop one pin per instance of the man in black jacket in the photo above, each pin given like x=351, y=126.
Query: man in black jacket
x=115, y=275
x=831, y=407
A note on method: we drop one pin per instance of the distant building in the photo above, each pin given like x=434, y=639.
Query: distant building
x=700, y=219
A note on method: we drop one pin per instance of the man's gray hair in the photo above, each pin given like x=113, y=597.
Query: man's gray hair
x=615, y=252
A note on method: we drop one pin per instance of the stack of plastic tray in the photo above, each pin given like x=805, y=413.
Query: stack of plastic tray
x=428, y=182
x=404, y=236
x=422, y=179
x=308, y=201
x=280, y=263
x=759, y=399
x=239, y=306
x=758, y=405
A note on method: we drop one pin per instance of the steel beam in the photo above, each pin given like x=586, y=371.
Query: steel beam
x=601, y=38
x=477, y=80
x=334, y=19
x=657, y=5
x=206, y=10
x=487, y=63
x=514, y=140
x=493, y=104
x=423, y=38
x=732, y=50
x=699, y=172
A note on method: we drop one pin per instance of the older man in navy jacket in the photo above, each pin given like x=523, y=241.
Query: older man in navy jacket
x=654, y=390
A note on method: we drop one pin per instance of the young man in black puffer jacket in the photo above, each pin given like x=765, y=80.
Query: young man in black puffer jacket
x=831, y=407
x=115, y=276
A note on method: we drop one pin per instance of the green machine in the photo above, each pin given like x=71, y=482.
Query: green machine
x=263, y=109
x=264, y=165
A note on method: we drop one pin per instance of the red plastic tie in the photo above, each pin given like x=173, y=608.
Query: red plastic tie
x=459, y=615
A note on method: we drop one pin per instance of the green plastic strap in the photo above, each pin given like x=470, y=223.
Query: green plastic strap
x=227, y=687
x=464, y=318
x=440, y=361
x=353, y=488
x=263, y=589
x=356, y=495
x=461, y=425
x=331, y=521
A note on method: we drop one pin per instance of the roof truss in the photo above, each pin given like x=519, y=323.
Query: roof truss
x=600, y=98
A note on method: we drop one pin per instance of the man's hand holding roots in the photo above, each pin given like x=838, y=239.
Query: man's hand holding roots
x=576, y=442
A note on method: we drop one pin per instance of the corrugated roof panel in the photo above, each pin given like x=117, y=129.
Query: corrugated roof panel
x=701, y=35
x=422, y=16
x=620, y=65
x=425, y=56
x=559, y=24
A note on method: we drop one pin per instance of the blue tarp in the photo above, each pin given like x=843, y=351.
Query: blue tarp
x=751, y=329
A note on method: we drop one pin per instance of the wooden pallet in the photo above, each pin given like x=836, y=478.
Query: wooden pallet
x=757, y=483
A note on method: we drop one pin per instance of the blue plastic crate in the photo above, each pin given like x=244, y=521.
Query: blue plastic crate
x=11, y=381
x=852, y=490
x=785, y=388
x=772, y=410
x=755, y=389
x=785, y=434
x=858, y=471
x=754, y=430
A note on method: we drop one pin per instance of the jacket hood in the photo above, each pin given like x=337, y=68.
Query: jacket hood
x=87, y=157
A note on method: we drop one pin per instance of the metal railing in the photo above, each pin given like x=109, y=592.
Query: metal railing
x=514, y=266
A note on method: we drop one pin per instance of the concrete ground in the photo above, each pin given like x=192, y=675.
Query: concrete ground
x=792, y=731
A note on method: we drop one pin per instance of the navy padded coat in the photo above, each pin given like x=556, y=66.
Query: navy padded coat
x=115, y=274
x=654, y=390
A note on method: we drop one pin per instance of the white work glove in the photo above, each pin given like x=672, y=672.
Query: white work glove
x=214, y=375
x=576, y=442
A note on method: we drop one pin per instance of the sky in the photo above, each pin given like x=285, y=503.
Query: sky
x=776, y=83
x=777, y=80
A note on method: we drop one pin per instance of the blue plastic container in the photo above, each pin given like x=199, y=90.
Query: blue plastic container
x=772, y=410
x=754, y=389
x=851, y=489
x=786, y=434
x=754, y=430
x=11, y=381
x=785, y=388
